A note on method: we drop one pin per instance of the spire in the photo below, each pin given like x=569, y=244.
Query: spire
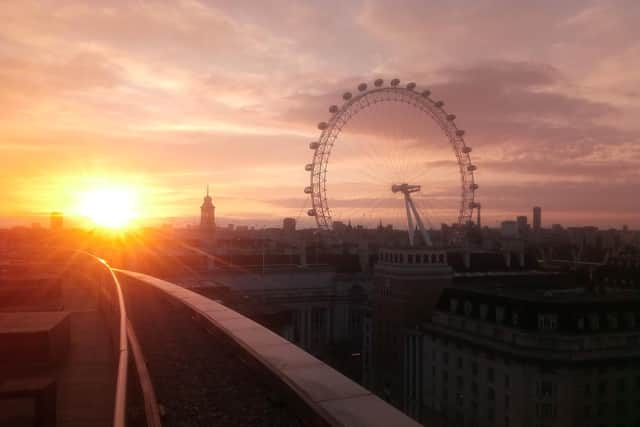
x=207, y=189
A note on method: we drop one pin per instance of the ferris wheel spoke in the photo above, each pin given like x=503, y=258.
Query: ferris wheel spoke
x=389, y=148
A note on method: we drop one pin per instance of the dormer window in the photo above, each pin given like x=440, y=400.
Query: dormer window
x=547, y=322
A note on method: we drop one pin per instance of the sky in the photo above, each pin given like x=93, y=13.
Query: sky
x=165, y=97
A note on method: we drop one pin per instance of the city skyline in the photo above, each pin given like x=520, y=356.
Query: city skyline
x=229, y=96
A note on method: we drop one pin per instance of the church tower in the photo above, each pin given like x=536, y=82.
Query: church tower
x=207, y=214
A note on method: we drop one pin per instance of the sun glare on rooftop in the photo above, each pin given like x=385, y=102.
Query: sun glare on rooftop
x=109, y=207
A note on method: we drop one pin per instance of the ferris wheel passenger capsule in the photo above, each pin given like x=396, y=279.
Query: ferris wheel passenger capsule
x=471, y=168
x=311, y=212
x=426, y=93
x=378, y=82
x=346, y=96
x=459, y=132
x=314, y=145
x=322, y=125
x=308, y=167
x=362, y=87
x=474, y=186
x=307, y=190
x=333, y=109
x=466, y=150
x=474, y=205
x=451, y=117
x=440, y=104
x=395, y=82
x=411, y=86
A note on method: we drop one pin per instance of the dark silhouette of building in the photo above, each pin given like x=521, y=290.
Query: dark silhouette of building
x=407, y=285
x=523, y=225
x=537, y=218
x=207, y=214
x=56, y=221
x=289, y=225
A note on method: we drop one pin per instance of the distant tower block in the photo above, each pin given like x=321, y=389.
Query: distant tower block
x=207, y=214
x=537, y=218
x=56, y=221
x=289, y=225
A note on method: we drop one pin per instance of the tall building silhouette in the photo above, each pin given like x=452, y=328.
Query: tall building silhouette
x=56, y=221
x=537, y=218
x=207, y=214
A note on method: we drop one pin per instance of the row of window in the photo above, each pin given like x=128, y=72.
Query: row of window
x=622, y=386
x=549, y=321
x=474, y=367
x=417, y=258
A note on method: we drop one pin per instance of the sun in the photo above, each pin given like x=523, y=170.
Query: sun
x=109, y=207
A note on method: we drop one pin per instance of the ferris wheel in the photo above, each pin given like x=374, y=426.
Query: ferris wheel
x=390, y=150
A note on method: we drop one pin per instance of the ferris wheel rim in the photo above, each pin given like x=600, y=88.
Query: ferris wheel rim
x=352, y=105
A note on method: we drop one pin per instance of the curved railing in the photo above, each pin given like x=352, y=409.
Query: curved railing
x=125, y=343
x=112, y=300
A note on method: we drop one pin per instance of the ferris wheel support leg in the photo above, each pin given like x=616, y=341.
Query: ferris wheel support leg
x=407, y=204
x=425, y=233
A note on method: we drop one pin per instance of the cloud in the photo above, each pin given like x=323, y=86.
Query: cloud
x=231, y=93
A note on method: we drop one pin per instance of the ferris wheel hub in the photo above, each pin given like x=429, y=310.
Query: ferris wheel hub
x=405, y=188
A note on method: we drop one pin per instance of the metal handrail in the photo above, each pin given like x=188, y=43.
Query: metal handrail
x=119, y=410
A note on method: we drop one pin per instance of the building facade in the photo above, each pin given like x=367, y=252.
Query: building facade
x=517, y=357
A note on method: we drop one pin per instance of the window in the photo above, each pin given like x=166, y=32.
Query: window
x=507, y=401
x=499, y=314
x=612, y=319
x=631, y=320
x=580, y=323
x=621, y=385
x=410, y=258
x=445, y=376
x=474, y=388
x=483, y=311
x=587, y=390
x=602, y=387
x=594, y=322
x=506, y=381
x=474, y=368
x=491, y=394
x=459, y=362
x=460, y=381
x=453, y=305
x=547, y=322
x=545, y=389
x=514, y=319
x=468, y=308
x=490, y=375
x=445, y=358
